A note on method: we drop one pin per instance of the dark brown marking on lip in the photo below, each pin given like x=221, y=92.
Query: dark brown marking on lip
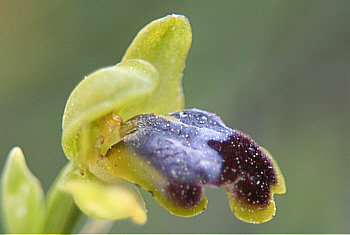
x=185, y=194
x=247, y=171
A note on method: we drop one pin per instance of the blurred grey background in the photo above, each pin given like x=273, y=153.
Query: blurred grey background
x=277, y=70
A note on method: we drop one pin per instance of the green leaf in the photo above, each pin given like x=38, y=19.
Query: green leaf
x=62, y=212
x=22, y=196
x=105, y=201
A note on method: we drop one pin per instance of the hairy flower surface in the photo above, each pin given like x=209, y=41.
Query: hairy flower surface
x=174, y=155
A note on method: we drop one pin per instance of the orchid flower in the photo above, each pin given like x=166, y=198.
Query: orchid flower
x=164, y=150
x=125, y=126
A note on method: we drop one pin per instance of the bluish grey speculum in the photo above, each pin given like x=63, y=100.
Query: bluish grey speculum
x=192, y=148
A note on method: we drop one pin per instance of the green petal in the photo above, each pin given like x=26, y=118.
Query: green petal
x=105, y=201
x=22, y=196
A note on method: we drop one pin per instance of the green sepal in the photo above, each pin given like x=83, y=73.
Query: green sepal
x=22, y=196
x=165, y=44
x=148, y=80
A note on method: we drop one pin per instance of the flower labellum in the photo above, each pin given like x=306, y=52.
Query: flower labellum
x=174, y=155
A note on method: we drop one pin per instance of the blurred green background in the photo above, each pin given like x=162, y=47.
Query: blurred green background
x=277, y=70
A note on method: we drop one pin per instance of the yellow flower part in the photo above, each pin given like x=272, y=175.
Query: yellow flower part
x=105, y=201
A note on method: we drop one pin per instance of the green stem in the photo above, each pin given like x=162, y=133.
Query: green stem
x=62, y=212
